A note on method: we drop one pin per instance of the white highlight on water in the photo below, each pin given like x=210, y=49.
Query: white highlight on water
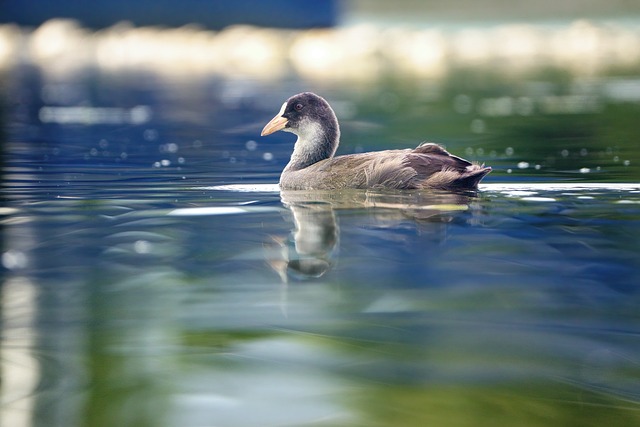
x=529, y=188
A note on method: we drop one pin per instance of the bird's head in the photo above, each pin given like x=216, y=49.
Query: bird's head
x=303, y=114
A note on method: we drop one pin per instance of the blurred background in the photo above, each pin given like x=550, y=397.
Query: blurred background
x=547, y=89
x=120, y=309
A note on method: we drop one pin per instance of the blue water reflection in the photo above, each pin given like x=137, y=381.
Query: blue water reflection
x=154, y=275
x=230, y=307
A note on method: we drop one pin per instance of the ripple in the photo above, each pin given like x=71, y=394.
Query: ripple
x=519, y=189
x=539, y=199
x=219, y=210
x=562, y=186
x=244, y=188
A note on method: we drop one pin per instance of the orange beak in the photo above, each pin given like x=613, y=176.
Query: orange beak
x=276, y=124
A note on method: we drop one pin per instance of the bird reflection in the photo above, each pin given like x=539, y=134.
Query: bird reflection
x=310, y=252
x=312, y=248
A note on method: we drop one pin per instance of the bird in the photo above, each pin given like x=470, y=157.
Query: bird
x=314, y=166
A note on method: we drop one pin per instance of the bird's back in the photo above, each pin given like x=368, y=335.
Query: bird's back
x=427, y=166
x=436, y=168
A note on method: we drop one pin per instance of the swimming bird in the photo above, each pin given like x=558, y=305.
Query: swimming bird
x=314, y=166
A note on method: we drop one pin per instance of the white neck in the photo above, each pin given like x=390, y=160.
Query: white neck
x=313, y=145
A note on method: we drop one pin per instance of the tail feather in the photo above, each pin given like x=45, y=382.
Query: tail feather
x=472, y=178
x=438, y=169
x=448, y=179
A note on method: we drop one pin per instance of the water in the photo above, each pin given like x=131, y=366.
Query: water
x=153, y=274
x=235, y=305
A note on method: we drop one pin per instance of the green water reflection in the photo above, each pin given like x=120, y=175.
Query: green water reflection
x=517, y=306
x=137, y=290
x=538, y=125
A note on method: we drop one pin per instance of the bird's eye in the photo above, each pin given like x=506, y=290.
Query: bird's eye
x=298, y=107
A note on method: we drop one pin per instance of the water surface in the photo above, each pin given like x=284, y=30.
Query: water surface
x=238, y=305
x=153, y=274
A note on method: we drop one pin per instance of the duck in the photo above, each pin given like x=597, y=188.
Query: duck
x=314, y=166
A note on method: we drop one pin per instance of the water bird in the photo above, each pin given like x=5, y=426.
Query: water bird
x=314, y=166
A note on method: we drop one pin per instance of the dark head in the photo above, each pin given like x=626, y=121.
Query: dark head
x=311, y=118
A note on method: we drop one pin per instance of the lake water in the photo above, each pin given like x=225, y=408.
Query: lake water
x=153, y=274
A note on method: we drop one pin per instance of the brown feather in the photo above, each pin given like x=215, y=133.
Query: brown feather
x=428, y=166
